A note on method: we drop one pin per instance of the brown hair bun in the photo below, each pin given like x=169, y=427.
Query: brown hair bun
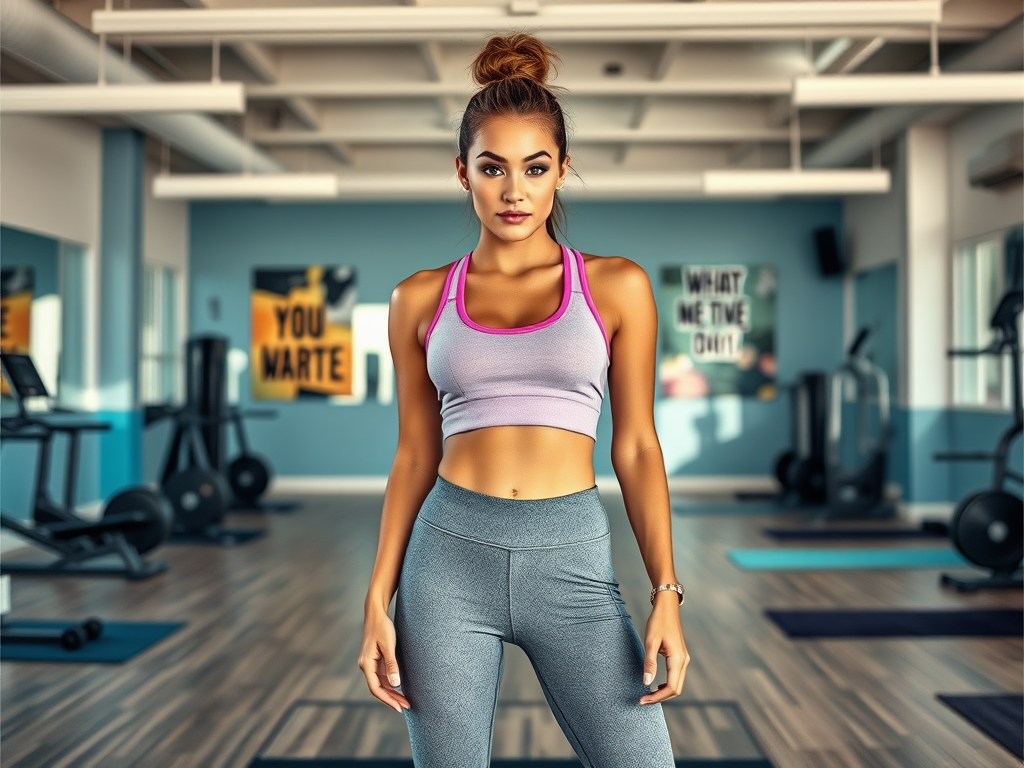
x=513, y=56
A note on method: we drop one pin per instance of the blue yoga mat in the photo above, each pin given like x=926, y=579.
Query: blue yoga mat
x=118, y=643
x=336, y=762
x=997, y=715
x=748, y=508
x=893, y=623
x=800, y=534
x=839, y=559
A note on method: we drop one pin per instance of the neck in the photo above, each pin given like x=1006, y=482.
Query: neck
x=512, y=257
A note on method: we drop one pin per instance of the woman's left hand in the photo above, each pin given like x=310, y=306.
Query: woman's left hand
x=665, y=637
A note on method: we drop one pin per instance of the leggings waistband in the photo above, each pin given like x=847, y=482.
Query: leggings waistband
x=554, y=521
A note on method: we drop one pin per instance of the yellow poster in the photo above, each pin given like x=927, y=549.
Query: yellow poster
x=15, y=314
x=301, y=336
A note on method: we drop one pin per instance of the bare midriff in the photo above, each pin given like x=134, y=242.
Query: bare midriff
x=519, y=462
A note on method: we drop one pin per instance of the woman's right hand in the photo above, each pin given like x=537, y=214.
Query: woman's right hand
x=377, y=660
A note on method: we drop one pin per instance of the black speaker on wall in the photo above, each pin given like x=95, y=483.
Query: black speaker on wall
x=828, y=251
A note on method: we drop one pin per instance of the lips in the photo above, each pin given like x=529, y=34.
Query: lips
x=513, y=217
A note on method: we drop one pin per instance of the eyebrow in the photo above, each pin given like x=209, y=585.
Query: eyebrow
x=500, y=159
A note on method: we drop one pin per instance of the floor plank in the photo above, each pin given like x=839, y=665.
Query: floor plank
x=280, y=620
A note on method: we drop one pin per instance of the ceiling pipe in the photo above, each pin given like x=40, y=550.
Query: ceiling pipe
x=55, y=46
x=999, y=52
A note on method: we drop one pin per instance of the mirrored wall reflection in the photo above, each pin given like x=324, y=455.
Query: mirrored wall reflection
x=45, y=310
x=160, y=355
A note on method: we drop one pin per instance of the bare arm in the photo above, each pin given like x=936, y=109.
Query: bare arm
x=636, y=453
x=419, y=452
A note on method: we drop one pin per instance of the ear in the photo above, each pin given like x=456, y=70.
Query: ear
x=564, y=171
x=461, y=171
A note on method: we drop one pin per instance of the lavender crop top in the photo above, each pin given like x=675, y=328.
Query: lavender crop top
x=552, y=373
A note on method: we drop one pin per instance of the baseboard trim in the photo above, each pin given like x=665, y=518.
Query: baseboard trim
x=918, y=510
x=355, y=484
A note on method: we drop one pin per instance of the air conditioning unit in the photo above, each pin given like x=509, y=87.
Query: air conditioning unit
x=999, y=164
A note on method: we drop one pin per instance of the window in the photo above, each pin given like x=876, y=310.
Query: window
x=160, y=360
x=979, y=277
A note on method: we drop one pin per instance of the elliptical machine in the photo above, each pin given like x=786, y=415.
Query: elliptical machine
x=858, y=492
x=988, y=525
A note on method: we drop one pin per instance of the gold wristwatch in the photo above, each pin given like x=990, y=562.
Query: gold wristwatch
x=673, y=587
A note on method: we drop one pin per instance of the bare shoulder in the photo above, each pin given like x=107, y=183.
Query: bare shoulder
x=617, y=285
x=613, y=270
x=417, y=297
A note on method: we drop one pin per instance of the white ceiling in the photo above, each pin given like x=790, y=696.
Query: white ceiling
x=683, y=99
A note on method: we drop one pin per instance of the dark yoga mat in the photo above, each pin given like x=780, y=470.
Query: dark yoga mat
x=336, y=762
x=119, y=642
x=998, y=715
x=225, y=537
x=798, y=534
x=891, y=623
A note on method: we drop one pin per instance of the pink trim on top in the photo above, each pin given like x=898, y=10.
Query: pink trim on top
x=440, y=307
x=590, y=301
x=460, y=300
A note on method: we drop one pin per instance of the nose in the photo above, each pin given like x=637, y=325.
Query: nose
x=512, y=192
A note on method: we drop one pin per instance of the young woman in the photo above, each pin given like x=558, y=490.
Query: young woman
x=493, y=529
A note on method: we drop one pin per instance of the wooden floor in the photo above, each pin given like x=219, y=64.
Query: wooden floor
x=279, y=620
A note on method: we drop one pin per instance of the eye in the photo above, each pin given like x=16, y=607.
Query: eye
x=490, y=170
x=536, y=170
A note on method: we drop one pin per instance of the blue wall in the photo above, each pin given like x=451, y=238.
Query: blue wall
x=387, y=242
x=25, y=249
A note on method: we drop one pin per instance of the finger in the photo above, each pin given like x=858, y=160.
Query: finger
x=676, y=667
x=379, y=685
x=386, y=679
x=651, y=660
x=388, y=666
x=377, y=689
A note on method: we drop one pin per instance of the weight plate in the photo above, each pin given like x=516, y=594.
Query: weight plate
x=156, y=508
x=249, y=477
x=808, y=477
x=988, y=529
x=782, y=467
x=198, y=498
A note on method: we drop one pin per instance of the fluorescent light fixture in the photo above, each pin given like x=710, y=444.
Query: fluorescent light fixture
x=92, y=99
x=772, y=183
x=872, y=90
x=635, y=186
x=224, y=186
x=486, y=18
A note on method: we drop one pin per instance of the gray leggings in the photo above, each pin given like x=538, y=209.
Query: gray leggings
x=537, y=573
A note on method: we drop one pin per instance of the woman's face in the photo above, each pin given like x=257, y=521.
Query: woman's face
x=512, y=171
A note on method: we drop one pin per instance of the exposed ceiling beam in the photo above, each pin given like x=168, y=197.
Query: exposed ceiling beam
x=662, y=65
x=364, y=89
x=859, y=52
x=264, y=65
x=486, y=19
x=703, y=135
x=433, y=59
x=999, y=52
